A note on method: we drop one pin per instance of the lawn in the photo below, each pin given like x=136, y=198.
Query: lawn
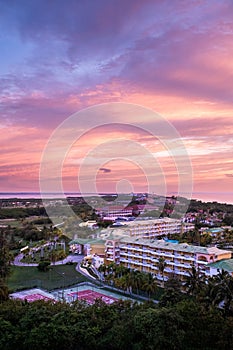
x=11, y=222
x=59, y=276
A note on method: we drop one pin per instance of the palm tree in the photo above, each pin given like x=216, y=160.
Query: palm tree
x=121, y=270
x=127, y=282
x=136, y=279
x=4, y=292
x=194, y=281
x=102, y=269
x=5, y=256
x=161, y=265
x=111, y=269
x=223, y=290
x=150, y=284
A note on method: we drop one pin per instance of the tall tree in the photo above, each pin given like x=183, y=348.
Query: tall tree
x=194, y=282
x=222, y=291
x=4, y=292
x=5, y=256
x=161, y=265
x=150, y=284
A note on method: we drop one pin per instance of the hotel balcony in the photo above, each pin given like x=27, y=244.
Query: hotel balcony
x=168, y=254
x=146, y=256
x=182, y=265
x=167, y=269
x=179, y=272
x=178, y=256
x=109, y=259
x=202, y=262
x=145, y=250
x=124, y=253
x=146, y=264
x=134, y=255
x=188, y=258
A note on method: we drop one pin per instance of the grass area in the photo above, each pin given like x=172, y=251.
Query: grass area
x=59, y=276
x=11, y=222
x=59, y=254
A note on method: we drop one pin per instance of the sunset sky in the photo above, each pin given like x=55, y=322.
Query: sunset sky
x=172, y=57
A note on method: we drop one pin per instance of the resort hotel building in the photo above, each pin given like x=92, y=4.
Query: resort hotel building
x=143, y=255
x=156, y=227
x=141, y=243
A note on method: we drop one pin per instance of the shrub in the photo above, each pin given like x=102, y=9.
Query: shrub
x=43, y=266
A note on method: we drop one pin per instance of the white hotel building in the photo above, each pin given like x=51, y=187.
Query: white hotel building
x=153, y=228
x=143, y=255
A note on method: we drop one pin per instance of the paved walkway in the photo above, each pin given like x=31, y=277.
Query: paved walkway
x=84, y=272
x=17, y=261
x=78, y=259
x=70, y=258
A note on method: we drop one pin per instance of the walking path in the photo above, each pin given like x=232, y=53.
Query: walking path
x=78, y=259
x=69, y=258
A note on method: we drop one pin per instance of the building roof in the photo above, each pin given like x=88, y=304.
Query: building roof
x=87, y=241
x=226, y=264
x=151, y=222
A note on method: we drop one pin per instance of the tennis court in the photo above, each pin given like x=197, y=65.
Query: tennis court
x=32, y=295
x=85, y=292
x=90, y=296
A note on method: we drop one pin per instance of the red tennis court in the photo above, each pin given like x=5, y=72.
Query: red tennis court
x=34, y=297
x=91, y=296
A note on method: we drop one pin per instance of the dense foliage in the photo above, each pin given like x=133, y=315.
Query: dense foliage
x=44, y=325
x=197, y=205
x=17, y=213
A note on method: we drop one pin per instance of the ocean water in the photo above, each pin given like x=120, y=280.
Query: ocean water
x=221, y=197
x=38, y=195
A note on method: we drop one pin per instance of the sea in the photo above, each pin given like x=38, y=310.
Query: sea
x=220, y=197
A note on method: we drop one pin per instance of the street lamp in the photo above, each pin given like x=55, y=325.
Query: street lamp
x=63, y=275
x=63, y=286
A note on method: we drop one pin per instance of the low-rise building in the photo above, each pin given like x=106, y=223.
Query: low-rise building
x=114, y=211
x=153, y=228
x=226, y=265
x=90, y=224
x=143, y=254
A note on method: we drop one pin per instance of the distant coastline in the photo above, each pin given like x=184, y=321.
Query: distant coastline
x=203, y=196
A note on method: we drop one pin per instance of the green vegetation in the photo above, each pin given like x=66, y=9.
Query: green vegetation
x=51, y=254
x=11, y=222
x=58, y=276
x=132, y=281
x=18, y=213
x=122, y=325
x=197, y=206
x=201, y=318
x=43, y=266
